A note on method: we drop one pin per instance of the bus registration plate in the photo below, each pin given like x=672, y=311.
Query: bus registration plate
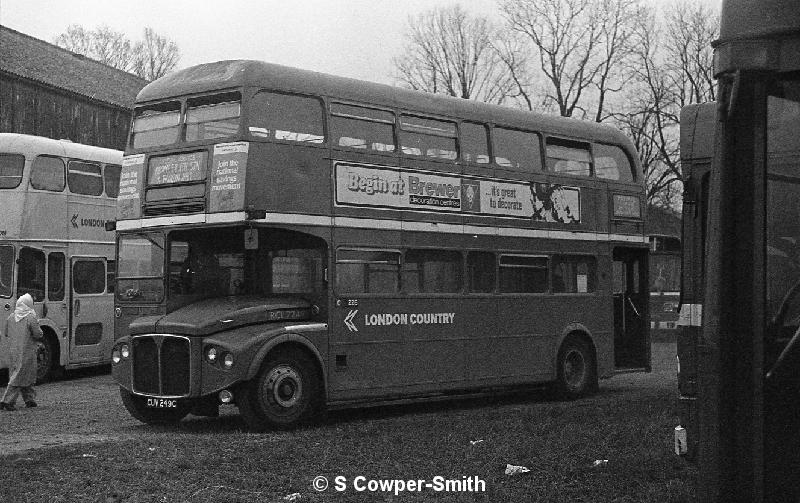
x=161, y=403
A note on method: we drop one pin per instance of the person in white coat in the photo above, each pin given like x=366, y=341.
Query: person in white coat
x=22, y=327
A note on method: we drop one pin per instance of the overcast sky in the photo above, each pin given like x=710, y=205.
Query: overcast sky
x=352, y=38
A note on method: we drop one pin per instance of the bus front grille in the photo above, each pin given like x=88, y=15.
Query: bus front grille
x=161, y=365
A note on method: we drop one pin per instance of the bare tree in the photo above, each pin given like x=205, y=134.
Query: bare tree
x=112, y=48
x=149, y=59
x=155, y=56
x=673, y=68
x=76, y=39
x=451, y=52
x=582, y=47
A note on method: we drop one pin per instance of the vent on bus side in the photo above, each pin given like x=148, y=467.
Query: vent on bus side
x=174, y=208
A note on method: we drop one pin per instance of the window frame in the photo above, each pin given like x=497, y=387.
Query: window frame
x=75, y=261
x=205, y=102
x=500, y=266
x=424, y=251
x=592, y=284
x=539, y=159
x=100, y=176
x=64, y=172
x=21, y=172
x=337, y=261
x=488, y=143
x=421, y=130
x=630, y=164
x=572, y=144
x=332, y=113
x=250, y=124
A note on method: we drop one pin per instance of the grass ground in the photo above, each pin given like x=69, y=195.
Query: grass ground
x=628, y=423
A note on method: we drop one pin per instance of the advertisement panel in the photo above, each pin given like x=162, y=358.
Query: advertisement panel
x=398, y=188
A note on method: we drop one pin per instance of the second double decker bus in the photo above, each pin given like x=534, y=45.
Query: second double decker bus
x=55, y=200
x=289, y=240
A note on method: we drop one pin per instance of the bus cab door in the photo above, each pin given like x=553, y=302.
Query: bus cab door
x=91, y=311
x=631, y=298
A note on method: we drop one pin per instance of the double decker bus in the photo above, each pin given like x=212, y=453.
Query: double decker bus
x=55, y=200
x=665, y=283
x=289, y=240
x=739, y=350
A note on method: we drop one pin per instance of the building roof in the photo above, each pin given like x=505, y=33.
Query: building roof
x=48, y=64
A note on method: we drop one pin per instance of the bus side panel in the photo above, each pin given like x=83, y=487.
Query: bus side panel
x=367, y=348
x=435, y=350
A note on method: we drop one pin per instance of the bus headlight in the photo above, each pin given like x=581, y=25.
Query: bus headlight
x=227, y=360
x=125, y=351
x=211, y=354
x=115, y=356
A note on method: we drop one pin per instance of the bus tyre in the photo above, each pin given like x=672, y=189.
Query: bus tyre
x=286, y=392
x=577, y=369
x=46, y=360
x=136, y=407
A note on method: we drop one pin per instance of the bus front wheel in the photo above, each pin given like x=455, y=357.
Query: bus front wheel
x=47, y=367
x=137, y=408
x=285, y=393
x=577, y=369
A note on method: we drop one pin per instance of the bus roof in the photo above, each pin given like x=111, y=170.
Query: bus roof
x=13, y=143
x=755, y=19
x=758, y=35
x=221, y=75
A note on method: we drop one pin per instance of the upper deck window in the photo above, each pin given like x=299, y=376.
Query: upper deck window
x=212, y=117
x=569, y=157
x=517, y=149
x=474, y=143
x=11, y=166
x=428, y=137
x=85, y=178
x=362, y=128
x=287, y=117
x=611, y=163
x=111, y=177
x=47, y=173
x=155, y=125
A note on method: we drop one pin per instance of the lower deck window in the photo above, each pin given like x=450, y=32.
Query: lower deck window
x=523, y=274
x=367, y=271
x=574, y=274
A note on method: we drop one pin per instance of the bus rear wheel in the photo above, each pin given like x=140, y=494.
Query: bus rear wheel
x=136, y=406
x=286, y=393
x=577, y=369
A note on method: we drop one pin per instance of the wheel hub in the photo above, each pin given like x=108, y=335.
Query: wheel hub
x=574, y=368
x=284, y=386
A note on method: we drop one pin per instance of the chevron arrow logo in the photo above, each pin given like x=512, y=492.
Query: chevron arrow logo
x=348, y=321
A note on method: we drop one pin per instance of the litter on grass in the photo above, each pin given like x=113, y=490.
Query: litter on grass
x=515, y=470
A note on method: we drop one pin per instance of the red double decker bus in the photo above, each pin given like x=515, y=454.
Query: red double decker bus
x=289, y=240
